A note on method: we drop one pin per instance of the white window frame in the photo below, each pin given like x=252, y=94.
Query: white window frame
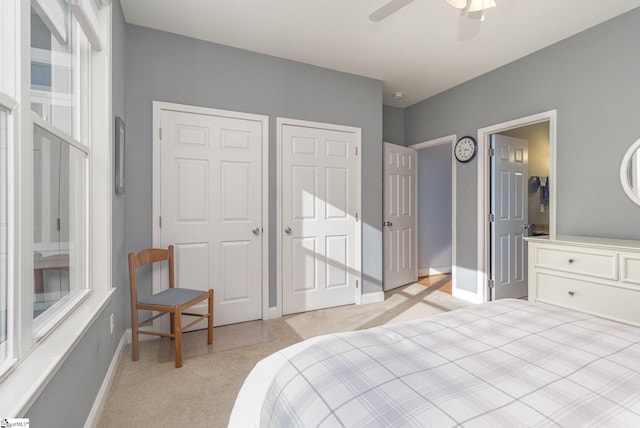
x=35, y=360
x=8, y=347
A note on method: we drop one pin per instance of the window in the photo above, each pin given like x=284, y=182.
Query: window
x=55, y=186
x=60, y=69
x=59, y=232
x=8, y=104
x=4, y=235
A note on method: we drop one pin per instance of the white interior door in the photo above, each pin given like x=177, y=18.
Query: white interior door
x=509, y=210
x=210, y=180
x=320, y=198
x=400, y=216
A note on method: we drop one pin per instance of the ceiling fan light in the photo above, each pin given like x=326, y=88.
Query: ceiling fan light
x=458, y=4
x=478, y=5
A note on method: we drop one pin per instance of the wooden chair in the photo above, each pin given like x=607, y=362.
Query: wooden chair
x=173, y=301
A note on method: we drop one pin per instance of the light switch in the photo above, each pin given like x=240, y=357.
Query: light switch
x=541, y=208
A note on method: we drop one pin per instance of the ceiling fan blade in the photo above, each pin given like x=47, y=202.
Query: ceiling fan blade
x=388, y=9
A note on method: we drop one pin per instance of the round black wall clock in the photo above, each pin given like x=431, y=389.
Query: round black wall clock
x=465, y=149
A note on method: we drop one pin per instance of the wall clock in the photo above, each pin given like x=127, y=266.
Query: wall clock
x=465, y=149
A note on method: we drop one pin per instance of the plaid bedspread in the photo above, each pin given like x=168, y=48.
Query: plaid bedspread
x=508, y=363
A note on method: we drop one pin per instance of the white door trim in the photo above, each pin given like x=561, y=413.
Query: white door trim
x=449, y=139
x=158, y=106
x=484, y=137
x=280, y=122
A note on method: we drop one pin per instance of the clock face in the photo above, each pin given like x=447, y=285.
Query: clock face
x=465, y=149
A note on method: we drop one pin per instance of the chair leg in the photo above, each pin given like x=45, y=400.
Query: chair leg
x=135, y=342
x=172, y=324
x=177, y=329
x=210, y=320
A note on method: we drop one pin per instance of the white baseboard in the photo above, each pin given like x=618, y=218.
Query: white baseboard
x=103, y=393
x=375, y=297
x=437, y=270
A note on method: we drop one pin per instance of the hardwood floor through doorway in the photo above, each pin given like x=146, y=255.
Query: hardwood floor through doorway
x=439, y=282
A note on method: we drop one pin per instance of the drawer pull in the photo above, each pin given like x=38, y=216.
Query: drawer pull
x=571, y=260
x=571, y=293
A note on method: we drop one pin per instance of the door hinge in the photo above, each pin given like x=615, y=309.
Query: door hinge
x=160, y=221
x=357, y=218
x=357, y=284
x=356, y=150
x=492, y=151
x=492, y=283
x=492, y=218
x=160, y=132
x=58, y=224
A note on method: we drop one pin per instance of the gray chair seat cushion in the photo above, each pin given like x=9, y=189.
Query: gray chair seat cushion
x=172, y=297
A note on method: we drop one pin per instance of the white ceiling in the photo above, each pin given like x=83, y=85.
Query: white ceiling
x=416, y=50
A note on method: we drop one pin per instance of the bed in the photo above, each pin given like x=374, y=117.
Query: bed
x=504, y=363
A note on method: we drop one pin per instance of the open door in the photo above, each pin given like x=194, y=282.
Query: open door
x=400, y=216
x=509, y=217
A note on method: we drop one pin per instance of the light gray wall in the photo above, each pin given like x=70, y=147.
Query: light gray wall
x=67, y=399
x=592, y=81
x=434, y=207
x=393, y=125
x=119, y=250
x=167, y=67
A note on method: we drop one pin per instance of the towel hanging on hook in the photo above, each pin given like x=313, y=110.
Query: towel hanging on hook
x=534, y=184
x=544, y=189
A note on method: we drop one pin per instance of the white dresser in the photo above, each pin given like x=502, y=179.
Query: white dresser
x=595, y=275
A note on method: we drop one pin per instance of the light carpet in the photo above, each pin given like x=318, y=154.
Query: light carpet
x=151, y=392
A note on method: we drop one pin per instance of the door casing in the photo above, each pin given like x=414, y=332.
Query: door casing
x=484, y=140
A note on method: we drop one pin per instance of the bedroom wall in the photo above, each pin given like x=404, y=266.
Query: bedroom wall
x=592, y=81
x=68, y=398
x=167, y=67
x=393, y=125
x=434, y=209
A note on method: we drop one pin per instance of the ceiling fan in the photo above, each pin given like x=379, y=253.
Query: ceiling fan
x=471, y=14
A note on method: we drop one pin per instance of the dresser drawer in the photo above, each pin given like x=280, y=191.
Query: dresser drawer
x=598, y=264
x=630, y=268
x=607, y=301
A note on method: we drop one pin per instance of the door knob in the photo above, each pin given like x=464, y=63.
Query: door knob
x=389, y=223
x=256, y=231
x=287, y=231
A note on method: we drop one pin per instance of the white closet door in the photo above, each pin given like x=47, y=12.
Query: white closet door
x=211, y=208
x=319, y=218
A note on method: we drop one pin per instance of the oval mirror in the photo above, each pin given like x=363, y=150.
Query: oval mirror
x=630, y=172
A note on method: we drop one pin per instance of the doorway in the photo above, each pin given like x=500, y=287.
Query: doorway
x=436, y=201
x=499, y=261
